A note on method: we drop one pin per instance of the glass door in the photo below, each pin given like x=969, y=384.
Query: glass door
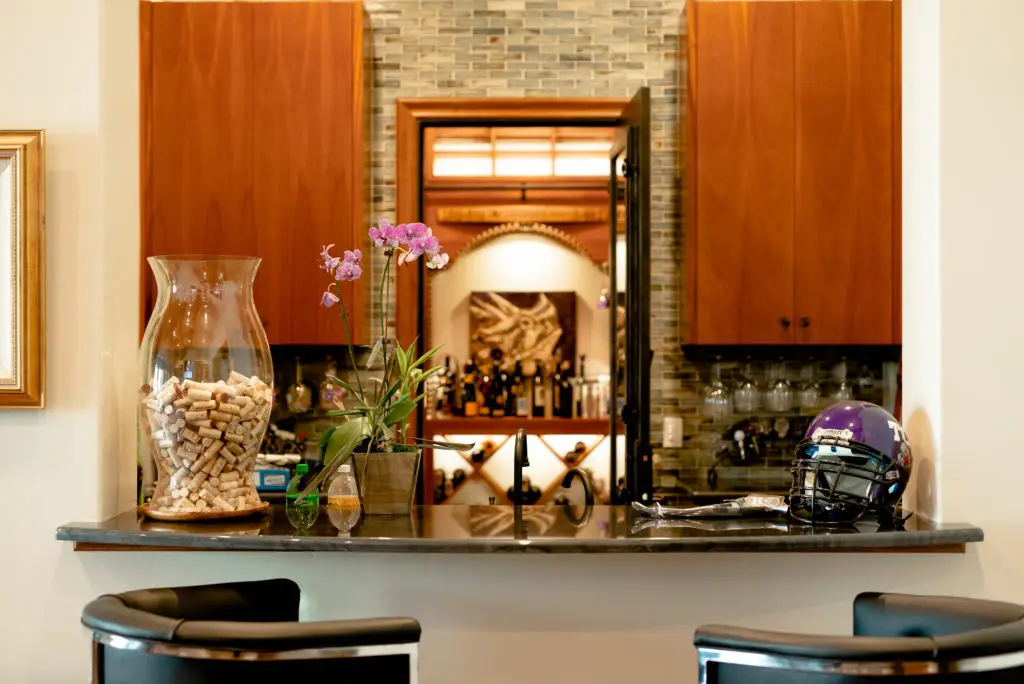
x=630, y=337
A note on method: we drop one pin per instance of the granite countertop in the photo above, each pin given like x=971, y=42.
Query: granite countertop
x=502, y=529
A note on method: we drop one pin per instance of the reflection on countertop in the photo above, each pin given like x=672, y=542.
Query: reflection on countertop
x=497, y=529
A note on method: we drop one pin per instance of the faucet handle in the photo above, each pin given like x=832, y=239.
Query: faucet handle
x=520, y=452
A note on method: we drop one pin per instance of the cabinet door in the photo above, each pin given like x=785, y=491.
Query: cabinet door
x=846, y=137
x=741, y=111
x=308, y=165
x=196, y=131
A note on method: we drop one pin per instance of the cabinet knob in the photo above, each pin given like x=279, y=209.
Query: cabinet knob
x=785, y=322
x=805, y=322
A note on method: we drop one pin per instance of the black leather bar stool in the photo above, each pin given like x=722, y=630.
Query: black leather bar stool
x=221, y=632
x=897, y=637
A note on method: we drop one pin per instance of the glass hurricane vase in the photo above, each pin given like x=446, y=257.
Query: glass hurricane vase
x=206, y=387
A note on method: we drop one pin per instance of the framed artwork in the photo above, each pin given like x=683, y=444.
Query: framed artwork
x=22, y=319
x=539, y=326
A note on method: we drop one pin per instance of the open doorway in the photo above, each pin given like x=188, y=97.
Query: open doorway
x=525, y=196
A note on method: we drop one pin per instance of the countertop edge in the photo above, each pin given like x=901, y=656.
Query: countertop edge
x=943, y=541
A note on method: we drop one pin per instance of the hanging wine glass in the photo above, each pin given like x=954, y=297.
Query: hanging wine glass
x=809, y=395
x=779, y=397
x=843, y=391
x=716, y=400
x=747, y=397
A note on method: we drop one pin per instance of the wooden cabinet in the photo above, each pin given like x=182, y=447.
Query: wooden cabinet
x=846, y=136
x=793, y=137
x=254, y=128
x=744, y=172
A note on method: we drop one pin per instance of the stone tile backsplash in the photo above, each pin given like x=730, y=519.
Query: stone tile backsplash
x=579, y=48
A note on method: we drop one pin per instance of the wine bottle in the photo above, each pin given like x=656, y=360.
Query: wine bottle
x=539, y=390
x=448, y=393
x=485, y=387
x=499, y=379
x=470, y=407
x=556, y=392
x=564, y=390
x=511, y=397
x=580, y=412
x=520, y=391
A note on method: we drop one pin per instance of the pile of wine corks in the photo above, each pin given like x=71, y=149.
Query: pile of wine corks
x=205, y=437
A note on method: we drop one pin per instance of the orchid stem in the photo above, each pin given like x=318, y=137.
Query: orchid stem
x=385, y=292
x=351, y=351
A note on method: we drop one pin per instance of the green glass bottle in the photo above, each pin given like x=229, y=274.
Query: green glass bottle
x=302, y=513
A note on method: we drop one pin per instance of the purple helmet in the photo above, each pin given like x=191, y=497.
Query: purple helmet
x=854, y=459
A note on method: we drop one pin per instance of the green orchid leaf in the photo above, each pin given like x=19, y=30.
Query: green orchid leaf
x=325, y=436
x=344, y=439
x=421, y=376
x=349, y=412
x=399, y=411
x=340, y=445
x=390, y=393
x=401, y=360
x=426, y=357
x=451, y=446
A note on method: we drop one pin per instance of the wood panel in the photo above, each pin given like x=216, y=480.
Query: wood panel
x=845, y=144
x=197, y=176
x=743, y=185
x=308, y=163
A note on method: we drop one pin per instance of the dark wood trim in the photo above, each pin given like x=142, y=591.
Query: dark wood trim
x=897, y=170
x=145, y=152
x=410, y=115
x=508, y=426
x=688, y=168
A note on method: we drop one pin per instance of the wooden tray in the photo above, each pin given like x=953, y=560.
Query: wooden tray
x=199, y=516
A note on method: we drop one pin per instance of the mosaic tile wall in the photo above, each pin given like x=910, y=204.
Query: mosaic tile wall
x=550, y=48
x=575, y=48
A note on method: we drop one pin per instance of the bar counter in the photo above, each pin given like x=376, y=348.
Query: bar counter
x=505, y=529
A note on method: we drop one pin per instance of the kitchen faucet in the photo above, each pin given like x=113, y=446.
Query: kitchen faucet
x=522, y=460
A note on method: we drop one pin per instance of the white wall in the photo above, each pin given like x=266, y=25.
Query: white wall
x=520, y=263
x=69, y=65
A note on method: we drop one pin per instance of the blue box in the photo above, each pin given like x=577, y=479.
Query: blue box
x=271, y=479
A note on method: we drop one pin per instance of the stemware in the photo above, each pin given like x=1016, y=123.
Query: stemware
x=809, y=395
x=843, y=391
x=779, y=397
x=717, y=403
x=747, y=397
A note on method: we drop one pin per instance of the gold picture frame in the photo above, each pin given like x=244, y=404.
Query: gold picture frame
x=22, y=270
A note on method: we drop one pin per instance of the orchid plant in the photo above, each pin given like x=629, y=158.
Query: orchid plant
x=378, y=422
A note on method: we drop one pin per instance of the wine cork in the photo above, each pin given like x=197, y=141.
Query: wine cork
x=190, y=434
x=228, y=456
x=204, y=405
x=199, y=394
x=218, y=466
x=229, y=408
x=197, y=481
x=230, y=476
x=237, y=379
x=184, y=402
x=209, y=432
